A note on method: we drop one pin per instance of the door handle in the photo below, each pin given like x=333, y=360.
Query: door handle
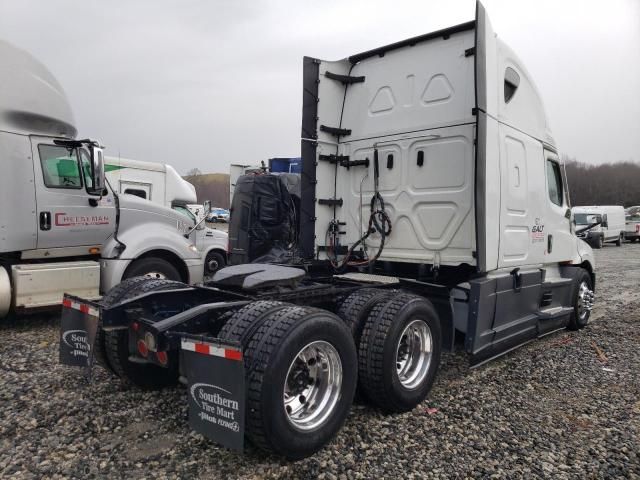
x=549, y=243
x=45, y=220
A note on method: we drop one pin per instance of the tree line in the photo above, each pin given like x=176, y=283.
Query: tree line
x=210, y=186
x=605, y=184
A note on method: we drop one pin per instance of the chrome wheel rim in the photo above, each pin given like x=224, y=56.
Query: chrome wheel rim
x=413, y=354
x=586, y=299
x=312, y=386
x=156, y=275
x=212, y=265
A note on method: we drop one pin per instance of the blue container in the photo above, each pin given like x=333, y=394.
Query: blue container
x=285, y=165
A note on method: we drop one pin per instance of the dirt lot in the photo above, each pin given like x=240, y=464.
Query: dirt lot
x=566, y=406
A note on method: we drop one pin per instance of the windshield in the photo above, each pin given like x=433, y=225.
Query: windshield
x=186, y=213
x=587, y=218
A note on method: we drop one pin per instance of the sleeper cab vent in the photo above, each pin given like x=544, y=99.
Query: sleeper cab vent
x=511, y=84
x=547, y=298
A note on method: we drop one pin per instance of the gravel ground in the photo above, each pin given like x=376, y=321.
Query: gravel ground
x=566, y=406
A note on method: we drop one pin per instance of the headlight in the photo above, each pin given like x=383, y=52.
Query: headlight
x=193, y=248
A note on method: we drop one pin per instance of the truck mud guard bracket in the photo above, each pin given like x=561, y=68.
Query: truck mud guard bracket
x=165, y=334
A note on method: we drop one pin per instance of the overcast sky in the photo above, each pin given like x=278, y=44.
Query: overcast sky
x=208, y=83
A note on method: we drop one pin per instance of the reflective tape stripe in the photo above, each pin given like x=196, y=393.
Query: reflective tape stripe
x=83, y=307
x=208, y=349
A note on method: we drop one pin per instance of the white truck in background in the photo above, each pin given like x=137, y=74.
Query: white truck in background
x=610, y=220
x=157, y=182
x=62, y=229
x=162, y=184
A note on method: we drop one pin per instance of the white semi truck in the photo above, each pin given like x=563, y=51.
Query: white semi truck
x=433, y=207
x=62, y=229
x=161, y=184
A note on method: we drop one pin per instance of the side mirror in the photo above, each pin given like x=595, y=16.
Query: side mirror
x=97, y=169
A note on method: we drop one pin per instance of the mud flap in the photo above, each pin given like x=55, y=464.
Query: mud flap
x=216, y=394
x=78, y=327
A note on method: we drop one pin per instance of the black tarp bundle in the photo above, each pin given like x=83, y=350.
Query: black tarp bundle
x=263, y=226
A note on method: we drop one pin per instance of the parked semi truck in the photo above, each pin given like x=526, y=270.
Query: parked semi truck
x=433, y=207
x=62, y=228
x=161, y=184
x=610, y=228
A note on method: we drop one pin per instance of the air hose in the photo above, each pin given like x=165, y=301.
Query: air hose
x=379, y=222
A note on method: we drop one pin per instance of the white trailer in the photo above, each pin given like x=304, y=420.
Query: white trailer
x=610, y=220
x=433, y=206
x=61, y=228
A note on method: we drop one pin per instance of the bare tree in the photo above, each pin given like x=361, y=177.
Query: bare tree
x=606, y=184
x=193, y=172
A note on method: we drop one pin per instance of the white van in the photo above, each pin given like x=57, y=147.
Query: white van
x=611, y=228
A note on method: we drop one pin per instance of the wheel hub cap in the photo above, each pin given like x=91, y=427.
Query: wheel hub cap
x=413, y=354
x=156, y=275
x=586, y=300
x=313, y=384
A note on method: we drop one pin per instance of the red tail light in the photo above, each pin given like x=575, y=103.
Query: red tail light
x=142, y=349
x=162, y=358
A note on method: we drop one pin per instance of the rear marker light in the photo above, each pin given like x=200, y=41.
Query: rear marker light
x=135, y=326
x=162, y=358
x=142, y=349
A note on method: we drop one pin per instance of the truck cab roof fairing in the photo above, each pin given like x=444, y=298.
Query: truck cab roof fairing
x=31, y=99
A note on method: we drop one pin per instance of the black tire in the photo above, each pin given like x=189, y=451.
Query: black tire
x=598, y=242
x=116, y=295
x=214, y=262
x=153, y=267
x=578, y=321
x=116, y=345
x=245, y=322
x=268, y=355
x=355, y=309
x=377, y=355
x=619, y=241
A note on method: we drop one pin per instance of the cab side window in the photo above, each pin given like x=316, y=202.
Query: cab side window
x=554, y=182
x=60, y=167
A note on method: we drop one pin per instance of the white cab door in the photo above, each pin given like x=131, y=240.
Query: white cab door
x=67, y=216
x=559, y=242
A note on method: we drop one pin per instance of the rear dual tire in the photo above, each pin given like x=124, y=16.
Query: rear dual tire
x=300, y=367
x=112, y=347
x=399, y=352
